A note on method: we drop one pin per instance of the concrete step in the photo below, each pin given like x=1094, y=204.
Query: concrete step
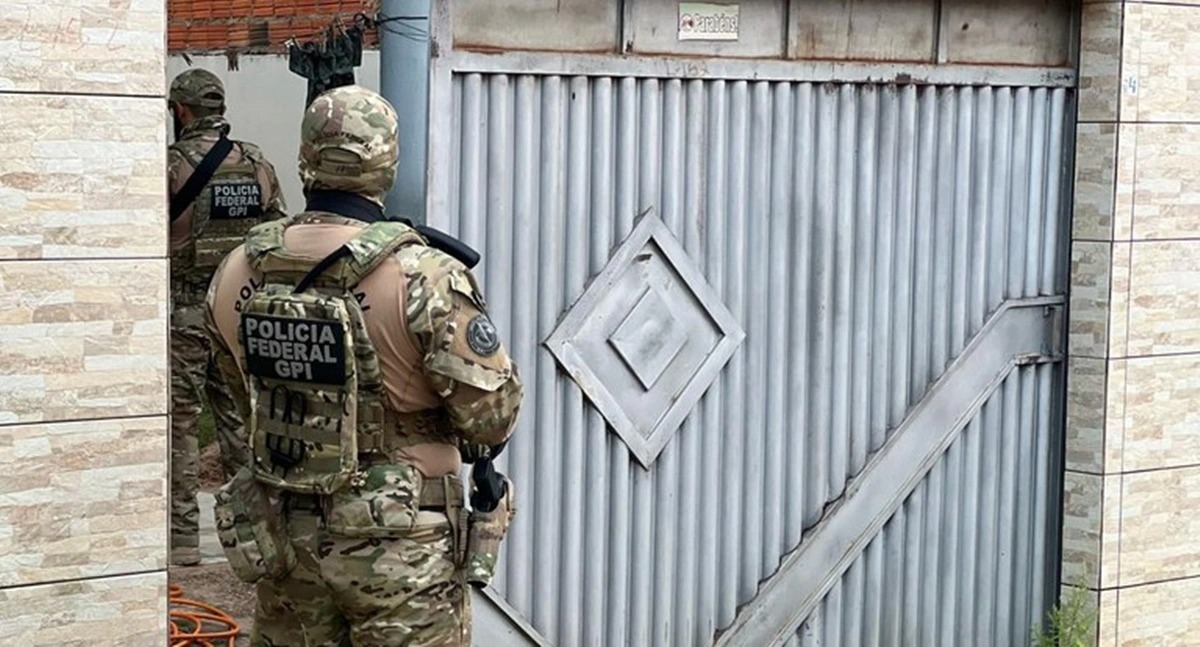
x=210, y=546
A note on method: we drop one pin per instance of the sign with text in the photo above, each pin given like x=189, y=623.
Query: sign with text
x=708, y=21
x=235, y=200
x=301, y=350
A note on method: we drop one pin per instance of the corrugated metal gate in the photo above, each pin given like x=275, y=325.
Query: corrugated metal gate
x=790, y=337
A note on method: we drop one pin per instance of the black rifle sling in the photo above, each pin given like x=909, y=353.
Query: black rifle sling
x=200, y=177
x=324, y=264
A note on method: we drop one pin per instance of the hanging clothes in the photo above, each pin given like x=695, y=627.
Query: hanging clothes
x=328, y=64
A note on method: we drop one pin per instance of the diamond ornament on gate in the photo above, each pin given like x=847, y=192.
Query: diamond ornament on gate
x=646, y=339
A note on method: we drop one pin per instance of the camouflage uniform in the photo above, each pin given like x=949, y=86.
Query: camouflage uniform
x=195, y=251
x=395, y=575
x=403, y=590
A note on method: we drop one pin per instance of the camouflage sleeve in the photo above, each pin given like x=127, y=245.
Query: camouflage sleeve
x=178, y=170
x=223, y=356
x=464, y=360
x=274, y=207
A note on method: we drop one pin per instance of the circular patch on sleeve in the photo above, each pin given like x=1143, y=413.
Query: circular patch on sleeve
x=482, y=337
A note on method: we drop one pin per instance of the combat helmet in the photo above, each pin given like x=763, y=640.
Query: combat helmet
x=198, y=87
x=348, y=143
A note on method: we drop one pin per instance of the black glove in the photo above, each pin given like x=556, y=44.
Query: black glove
x=474, y=452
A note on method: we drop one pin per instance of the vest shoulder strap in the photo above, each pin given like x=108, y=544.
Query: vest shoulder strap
x=264, y=239
x=364, y=252
x=200, y=177
x=373, y=246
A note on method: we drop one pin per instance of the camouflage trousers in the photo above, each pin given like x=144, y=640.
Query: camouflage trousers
x=404, y=591
x=194, y=379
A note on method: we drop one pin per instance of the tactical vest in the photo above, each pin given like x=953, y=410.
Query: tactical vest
x=315, y=386
x=223, y=213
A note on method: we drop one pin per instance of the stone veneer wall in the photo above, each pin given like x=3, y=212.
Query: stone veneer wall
x=1132, y=500
x=83, y=323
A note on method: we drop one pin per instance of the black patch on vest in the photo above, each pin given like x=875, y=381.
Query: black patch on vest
x=298, y=350
x=230, y=201
x=482, y=336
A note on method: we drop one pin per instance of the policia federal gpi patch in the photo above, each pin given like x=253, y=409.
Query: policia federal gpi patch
x=300, y=350
x=235, y=200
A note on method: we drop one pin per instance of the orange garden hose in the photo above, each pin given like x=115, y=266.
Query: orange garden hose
x=195, y=624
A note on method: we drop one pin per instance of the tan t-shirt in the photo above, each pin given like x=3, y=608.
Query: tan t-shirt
x=407, y=342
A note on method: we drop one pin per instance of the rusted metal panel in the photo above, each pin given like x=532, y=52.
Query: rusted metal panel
x=1018, y=32
x=653, y=29
x=558, y=25
x=864, y=30
x=661, y=67
x=1021, y=32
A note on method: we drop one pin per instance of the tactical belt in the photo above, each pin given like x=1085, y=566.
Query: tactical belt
x=440, y=493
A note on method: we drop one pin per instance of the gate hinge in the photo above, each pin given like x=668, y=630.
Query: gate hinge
x=1053, y=339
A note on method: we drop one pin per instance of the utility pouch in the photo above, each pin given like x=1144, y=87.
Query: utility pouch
x=381, y=501
x=460, y=526
x=303, y=431
x=252, y=529
x=485, y=533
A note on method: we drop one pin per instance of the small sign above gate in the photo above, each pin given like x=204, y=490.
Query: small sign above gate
x=708, y=21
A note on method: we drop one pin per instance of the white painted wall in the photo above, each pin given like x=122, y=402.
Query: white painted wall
x=265, y=104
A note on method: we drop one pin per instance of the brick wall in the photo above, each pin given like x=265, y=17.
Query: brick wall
x=255, y=26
